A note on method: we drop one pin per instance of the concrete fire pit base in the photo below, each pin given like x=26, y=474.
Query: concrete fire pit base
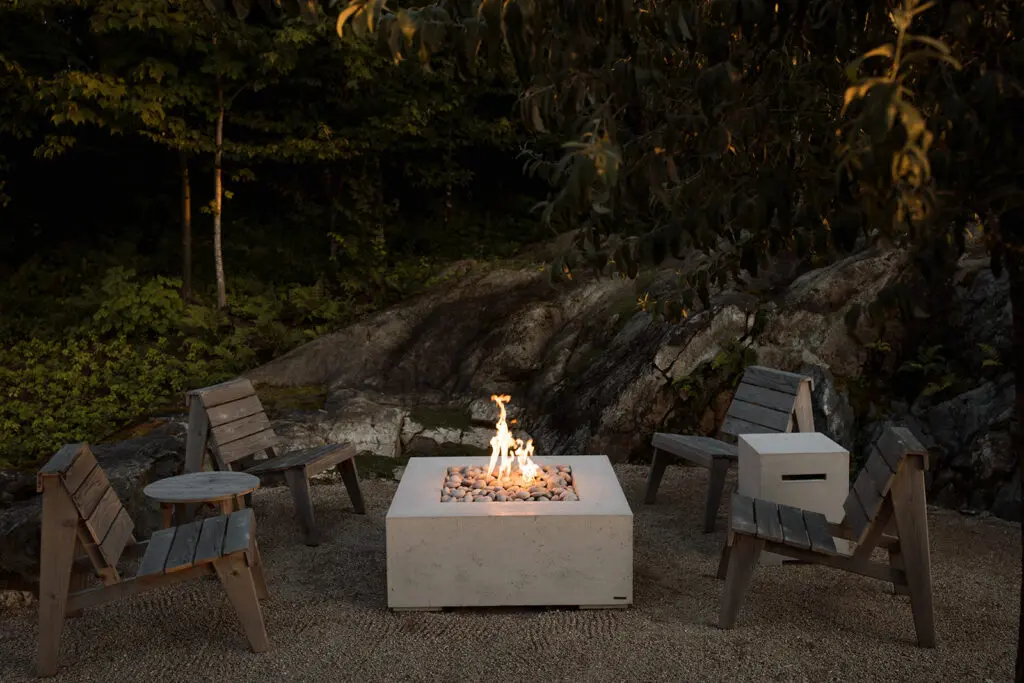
x=538, y=553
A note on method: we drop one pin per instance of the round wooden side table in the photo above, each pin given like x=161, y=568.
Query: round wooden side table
x=225, y=489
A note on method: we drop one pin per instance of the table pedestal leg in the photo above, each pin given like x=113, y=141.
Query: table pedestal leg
x=166, y=514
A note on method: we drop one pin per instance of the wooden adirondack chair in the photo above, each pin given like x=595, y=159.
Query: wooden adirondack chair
x=82, y=512
x=228, y=421
x=890, y=489
x=767, y=401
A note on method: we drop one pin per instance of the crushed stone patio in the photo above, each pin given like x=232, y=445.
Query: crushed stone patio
x=327, y=617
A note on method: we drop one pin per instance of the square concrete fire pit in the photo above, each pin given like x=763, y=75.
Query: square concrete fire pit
x=575, y=553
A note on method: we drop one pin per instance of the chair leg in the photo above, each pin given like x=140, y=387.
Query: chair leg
x=742, y=560
x=298, y=482
x=716, y=485
x=350, y=476
x=723, y=561
x=60, y=519
x=237, y=579
x=658, y=464
x=258, y=577
x=908, y=501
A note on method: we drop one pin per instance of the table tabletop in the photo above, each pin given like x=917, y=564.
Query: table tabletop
x=201, y=487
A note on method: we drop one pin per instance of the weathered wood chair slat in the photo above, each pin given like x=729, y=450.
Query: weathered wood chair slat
x=155, y=558
x=228, y=423
x=117, y=538
x=767, y=401
x=211, y=539
x=871, y=507
x=240, y=429
x=794, y=528
x=183, y=549
x=70, y=483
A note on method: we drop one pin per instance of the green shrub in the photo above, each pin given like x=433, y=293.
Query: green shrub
x=137, y=347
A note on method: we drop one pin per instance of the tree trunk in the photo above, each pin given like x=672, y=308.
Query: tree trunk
x=186, y=230
x=332, y=207
x=1015, y=267
x=218, y=197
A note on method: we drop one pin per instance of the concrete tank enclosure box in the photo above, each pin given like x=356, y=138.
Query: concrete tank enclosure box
x=576, y=553
x=804, y=469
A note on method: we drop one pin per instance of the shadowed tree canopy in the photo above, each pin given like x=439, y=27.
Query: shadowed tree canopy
x=725, y=127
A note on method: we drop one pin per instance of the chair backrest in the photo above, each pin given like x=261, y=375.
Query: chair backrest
x=229, y=420
x=887, y=460
x=104, y=526
x=769, y=401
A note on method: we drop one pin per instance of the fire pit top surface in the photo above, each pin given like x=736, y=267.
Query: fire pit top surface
x=599, y=490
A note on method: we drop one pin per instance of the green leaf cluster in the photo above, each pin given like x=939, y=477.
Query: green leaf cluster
x=136, y=348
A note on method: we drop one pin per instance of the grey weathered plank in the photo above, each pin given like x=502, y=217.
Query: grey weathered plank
x=80, y=469
x=770, y=420
x=236, y=410
x=794, y=530
x=117, y=537
x=254, y=443
x=60, y=461
x=155, y=557
x=200, y=487
x=102, y=518
x=869, y=498
x=225, y=392
x=768, y=526
x=897, y=442
x=183, y=549
x=332, y=458
x=88, y=495
x=770, y=378
x=856, y=517
x=301, y=458
x=239, y=429
x=733, y=426
x=892, y=457
x=685, y=445
x=239, y=531
x=741, y=518
x=879, y=471
x=211, y=539
x=769, y=398
x=817, y=533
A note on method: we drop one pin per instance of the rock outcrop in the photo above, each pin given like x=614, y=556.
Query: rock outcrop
x=589, y=373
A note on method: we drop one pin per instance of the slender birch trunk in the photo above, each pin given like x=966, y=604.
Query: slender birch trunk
x=218, y=200
x=186, y=229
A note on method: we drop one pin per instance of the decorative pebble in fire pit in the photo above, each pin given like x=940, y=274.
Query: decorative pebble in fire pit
x=475, y=485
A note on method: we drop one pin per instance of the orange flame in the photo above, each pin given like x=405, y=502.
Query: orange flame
x=509, y=449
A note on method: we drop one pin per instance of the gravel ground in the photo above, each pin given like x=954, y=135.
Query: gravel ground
x=327, y=620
